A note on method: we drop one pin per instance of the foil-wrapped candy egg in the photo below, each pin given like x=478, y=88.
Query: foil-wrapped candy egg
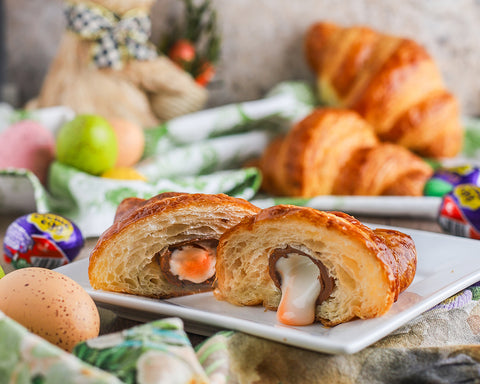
x=459, y=212
x=42, y=240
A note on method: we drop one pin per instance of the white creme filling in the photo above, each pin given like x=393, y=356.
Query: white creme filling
x=192, y=263
x=300, y=289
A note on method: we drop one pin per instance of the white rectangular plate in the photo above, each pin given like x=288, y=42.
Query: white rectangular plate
x=380, y=206
x=446, y=264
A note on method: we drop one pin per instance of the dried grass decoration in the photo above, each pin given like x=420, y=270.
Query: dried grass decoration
x=106, y=65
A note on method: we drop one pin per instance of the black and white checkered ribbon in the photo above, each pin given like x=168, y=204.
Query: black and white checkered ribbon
x=117, y=38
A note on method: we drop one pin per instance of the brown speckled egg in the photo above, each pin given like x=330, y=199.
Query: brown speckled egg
x=50, y=305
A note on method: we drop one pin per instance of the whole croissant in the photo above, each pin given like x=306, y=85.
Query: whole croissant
x=336, y=152
x=390, y=81
x=311, y=265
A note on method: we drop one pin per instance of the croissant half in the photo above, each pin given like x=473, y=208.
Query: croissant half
x=312, y=265
x=165, y=246
x=390, y=81
x=335, y=151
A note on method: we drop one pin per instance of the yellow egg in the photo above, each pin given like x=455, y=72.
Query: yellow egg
x=50, y=305
x=131, y=142
x=124, y=173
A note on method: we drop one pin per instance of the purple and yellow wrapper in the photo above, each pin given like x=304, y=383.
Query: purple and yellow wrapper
x=43, y=240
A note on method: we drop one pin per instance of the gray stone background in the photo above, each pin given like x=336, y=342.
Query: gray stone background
x=262, y=40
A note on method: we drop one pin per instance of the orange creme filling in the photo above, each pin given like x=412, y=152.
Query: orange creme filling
x=193, y=263
x=300, y=289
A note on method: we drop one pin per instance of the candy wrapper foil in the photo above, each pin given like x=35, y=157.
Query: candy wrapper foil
x=446, y=178
x=460, y=211
x=43, y=240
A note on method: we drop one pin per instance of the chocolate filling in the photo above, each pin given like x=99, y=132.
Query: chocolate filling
x=327, y=283
x=163, y=257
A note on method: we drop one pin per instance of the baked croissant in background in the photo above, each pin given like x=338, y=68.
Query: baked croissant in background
x=165, y=246
x=336, y=152
x=311, y=265
x=390, y=81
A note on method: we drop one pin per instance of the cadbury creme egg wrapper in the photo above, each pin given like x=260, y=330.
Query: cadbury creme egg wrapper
x=460, y=211
x=43, y=240
x=445, y=179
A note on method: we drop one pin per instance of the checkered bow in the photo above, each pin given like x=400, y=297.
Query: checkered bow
x=117, y=38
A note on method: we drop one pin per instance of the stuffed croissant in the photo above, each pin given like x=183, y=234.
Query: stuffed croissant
x=311, y=265
x=390, y=81
x=165, y=246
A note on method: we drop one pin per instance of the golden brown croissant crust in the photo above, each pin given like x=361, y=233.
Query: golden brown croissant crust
x=129, y=204
x=335, y=151
x=390, y=81
x=369, y=268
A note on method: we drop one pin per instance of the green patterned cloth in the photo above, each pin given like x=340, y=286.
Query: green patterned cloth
x=152, y=353
x=27, y=358
x=201, y=152
x=156, y=352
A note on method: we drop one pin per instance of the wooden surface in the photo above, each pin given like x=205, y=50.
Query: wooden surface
x=111, y=323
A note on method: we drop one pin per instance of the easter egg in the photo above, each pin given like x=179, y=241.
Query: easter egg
x=124, y=173
x=459, y=212
x=130, y=140
x=49, y=304
x=42, y=240
x=88, y=143
x=27, y=145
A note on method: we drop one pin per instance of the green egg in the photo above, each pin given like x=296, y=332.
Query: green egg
x=88, y=143
x=1, y=272
x=437, y=187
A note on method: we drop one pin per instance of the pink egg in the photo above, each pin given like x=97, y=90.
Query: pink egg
x=29, y=145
